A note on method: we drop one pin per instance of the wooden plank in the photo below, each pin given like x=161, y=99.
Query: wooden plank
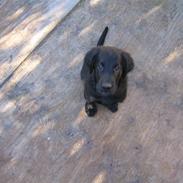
x=45, y=135
x=23, y=25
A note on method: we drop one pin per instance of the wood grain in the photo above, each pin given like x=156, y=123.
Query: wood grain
x=23, y=25
x=45, y=135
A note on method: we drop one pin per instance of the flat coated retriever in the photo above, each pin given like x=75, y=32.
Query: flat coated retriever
x=104, y=73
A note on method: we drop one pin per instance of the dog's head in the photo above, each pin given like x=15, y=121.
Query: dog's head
x=109, y=66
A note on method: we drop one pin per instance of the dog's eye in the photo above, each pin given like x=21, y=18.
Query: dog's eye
x=116, y=68
x=100, y=67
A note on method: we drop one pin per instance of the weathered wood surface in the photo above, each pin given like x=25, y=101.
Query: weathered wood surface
x=23, y=25
x=45, y=135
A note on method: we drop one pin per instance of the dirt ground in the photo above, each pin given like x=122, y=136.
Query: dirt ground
x=45, y=136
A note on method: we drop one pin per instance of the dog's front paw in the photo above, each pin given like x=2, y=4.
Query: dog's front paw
x=91, y=109
x=113, y=107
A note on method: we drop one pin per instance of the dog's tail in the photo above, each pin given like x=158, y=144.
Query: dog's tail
x=102, y=37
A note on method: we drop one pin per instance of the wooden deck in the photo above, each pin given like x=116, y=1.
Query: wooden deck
x=23, y=26
x=45, y=136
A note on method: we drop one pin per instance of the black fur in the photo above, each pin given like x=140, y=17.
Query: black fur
x=104, y=73
x=102, y=37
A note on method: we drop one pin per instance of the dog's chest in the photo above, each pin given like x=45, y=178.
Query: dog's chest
x=106, y=100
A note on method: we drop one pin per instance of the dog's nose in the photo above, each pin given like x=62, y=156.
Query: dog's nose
x=107, y=85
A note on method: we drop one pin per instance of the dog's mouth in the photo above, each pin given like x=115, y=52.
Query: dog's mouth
x=105, y=92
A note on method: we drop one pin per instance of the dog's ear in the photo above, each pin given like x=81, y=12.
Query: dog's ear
x=89, y=62
x=127, y=63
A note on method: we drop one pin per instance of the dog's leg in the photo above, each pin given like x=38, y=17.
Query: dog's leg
x=90, y=105
x=113, y=107
x=90, y=108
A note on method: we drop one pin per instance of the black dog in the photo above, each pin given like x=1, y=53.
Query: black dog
x=105, y=76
